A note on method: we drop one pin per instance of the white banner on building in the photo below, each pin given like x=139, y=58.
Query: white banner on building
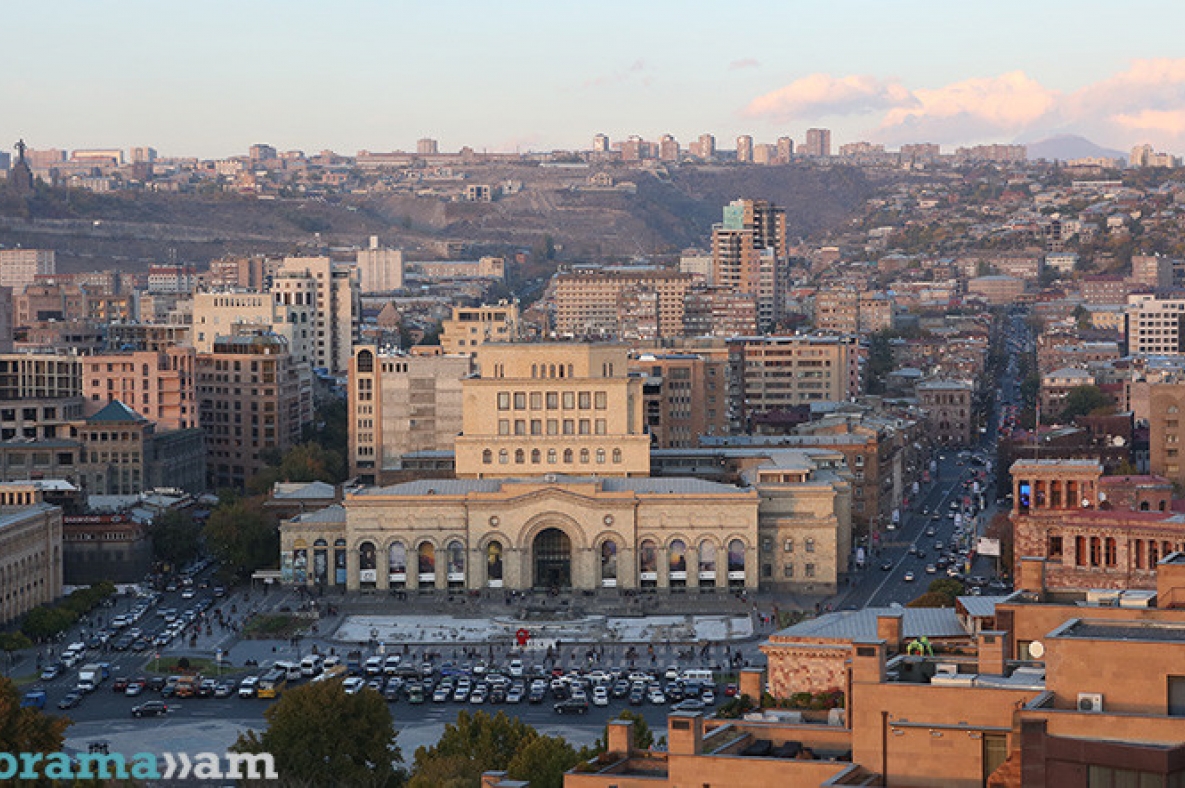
x=987, y=546
x=368, y=575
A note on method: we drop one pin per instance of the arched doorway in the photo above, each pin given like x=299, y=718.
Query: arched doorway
x=552, y=550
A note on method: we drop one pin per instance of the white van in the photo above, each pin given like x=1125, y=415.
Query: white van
x=292, y=669
x=697, y=674
x=310, y=665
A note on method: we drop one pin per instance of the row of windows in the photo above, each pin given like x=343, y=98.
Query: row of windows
x=570, y=427
x=585, y=400
x=520, y=456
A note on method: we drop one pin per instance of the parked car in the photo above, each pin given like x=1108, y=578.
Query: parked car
x=153, y=708
x=571, y=706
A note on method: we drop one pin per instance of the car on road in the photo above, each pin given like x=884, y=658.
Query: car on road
x=571, y=706
x=51, y=672
x=887, y=566
x=930, y=531
x=135, y=687
x=249, y=686
x=536, y=695
x=224, y=689
x=600, y=696
x=71, y=700
x=441, y=694
x=708, y=697
x=153, y=708
x=120, y=684
x=908, y=577
x=689, y=705
x=931, y=569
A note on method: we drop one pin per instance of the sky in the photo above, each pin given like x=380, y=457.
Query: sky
x=211, y=78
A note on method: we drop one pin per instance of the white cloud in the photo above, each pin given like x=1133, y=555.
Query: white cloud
x=819, y=95
x=1143, y=103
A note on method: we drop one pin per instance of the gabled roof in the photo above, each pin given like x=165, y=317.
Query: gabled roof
x=115, y=411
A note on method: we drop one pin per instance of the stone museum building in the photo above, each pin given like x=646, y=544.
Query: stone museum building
x=553, y=491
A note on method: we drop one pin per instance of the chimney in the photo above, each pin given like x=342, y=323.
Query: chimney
x=620, y=737
x=1031, y=575
x=888, y=629
x=868, y=661
x=752, y=683
x=374, y=242
x=685, y=733
x=993, y=652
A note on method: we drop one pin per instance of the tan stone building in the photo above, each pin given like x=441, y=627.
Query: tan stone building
x=252, y=396
x=553, y=408
x=30, y=550
x=837, y=310
x=160, y=386
x=773, y=373
x=686, y=397
x=950, y=412
x=470, y=327
x=402, y=403
x=593, y=303
x=1166, y=438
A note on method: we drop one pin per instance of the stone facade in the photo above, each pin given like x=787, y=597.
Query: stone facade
x=30, y=550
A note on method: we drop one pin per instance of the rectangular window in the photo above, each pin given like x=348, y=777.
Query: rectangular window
x=602, y=400
x=809, y=570
x=569, y=399
x=536, y=427
x=600, y=427
x=584, y=427
x=520, y=427
x=536, y=400
x=520, y=400
x=503, y=400
x=788, y=570
x=585, y=400
x=569, y=427
x=553, y=427
x=503, y=426
x=553, y=400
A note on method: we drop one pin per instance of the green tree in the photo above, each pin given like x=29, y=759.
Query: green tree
x=543, y=762
x=242, y=536
x=880, y=362
x=28, y=729
x=176, y=538
x=1083, y=400
x=932, y=599
x=643, y=736
x=305, y=462
x=46, y=621
x=474, y=744
x=14, y=641
x=319, y=735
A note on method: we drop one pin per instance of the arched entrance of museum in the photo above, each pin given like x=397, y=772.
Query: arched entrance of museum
x=551, y=553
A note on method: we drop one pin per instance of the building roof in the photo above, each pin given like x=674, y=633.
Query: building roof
x=981, y=606
x=330, y=514
x=115, y=411
x=1161, y=631
x=932, y=622
x=314, y=489
x=641, y=485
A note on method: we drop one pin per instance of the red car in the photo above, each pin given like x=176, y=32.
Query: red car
x=730, y=691
x=120, y=684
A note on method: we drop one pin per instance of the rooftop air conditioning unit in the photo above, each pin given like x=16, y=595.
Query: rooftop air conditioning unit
x=1090, y=701
x=948, y=668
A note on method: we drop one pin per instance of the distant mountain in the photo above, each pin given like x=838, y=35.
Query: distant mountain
x=1064, y=147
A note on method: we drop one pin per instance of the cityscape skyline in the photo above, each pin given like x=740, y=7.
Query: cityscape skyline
x=539, y=79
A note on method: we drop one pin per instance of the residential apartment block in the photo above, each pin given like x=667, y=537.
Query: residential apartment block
x=950, y=410
x=470, y=327
x=160, y=385
x=775, y=373
x=19, y=267
x=645, y=301
x=686, y=397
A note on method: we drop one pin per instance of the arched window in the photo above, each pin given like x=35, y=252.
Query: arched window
x=648, y=563
x=600, y=456
x=617, y=456
x=536, y=456
x=736, y=563
x=551, y=455
x=707, y=564
x=365, y=361
x=567, y=456
x=367, y=565
x=608, y=563
x=534, y=370
x=494, y=564
x=551, y=371
x=487, y=457
x=1110, y=553
x=520, y=456
x=677, y=562
x=397, y=565
x=503, y=456
x=584, y=456
x=456, y=563
x=426, y=564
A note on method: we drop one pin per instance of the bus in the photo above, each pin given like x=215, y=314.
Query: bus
x=272, y=683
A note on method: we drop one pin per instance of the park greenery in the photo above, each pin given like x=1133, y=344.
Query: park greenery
x=46, y=621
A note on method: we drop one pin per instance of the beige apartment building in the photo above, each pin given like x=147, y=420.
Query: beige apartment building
x=379, y=270
x=774, y=373
x=596, y=303
x=837, y=310
x=470, y=327
x=949, y=408
x=19, y=267
x=553, y=408
x=122, y=453
x=253, y=396
x=1166, y=439
x=1154, y=325
x=289, y=312
x=685, y=395
x=401, y=403
x=336, y=312
x=160, y=386
x=30, y=550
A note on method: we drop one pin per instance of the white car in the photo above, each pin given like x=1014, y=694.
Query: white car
x=516, y=668
x=353, y=685
x=600, y=696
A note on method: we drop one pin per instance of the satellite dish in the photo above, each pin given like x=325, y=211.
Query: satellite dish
x=1036, y=649
x=1085, y=503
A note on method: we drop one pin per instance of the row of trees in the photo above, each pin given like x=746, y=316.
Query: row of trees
x=319, y=735
x=49, y=620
